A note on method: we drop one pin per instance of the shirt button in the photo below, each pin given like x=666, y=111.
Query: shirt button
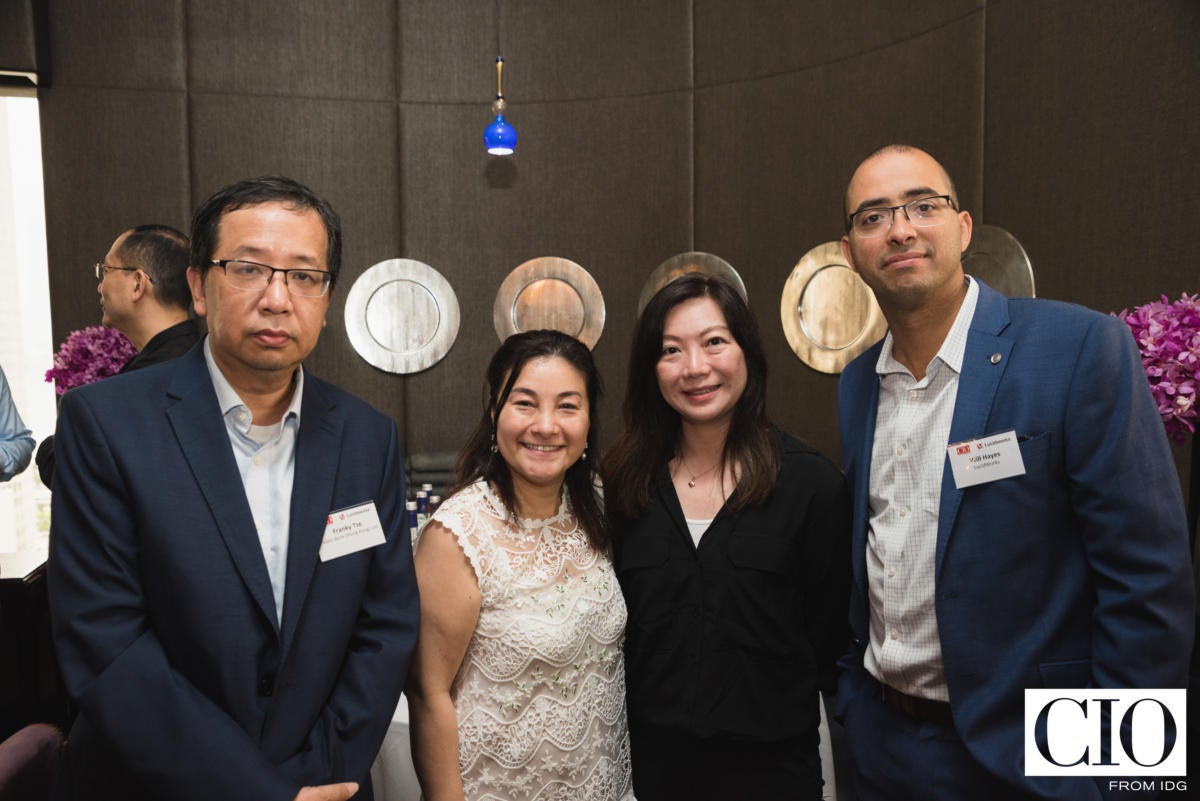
x=895, y=634
x=904, y=511
x=891, y=572
x=257, y=461
x=241, y=417
x=899, y=450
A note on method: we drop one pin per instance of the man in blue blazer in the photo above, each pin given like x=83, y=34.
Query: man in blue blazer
x=230, y=575
x=1018, y=522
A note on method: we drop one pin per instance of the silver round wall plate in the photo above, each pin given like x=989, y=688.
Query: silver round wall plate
x=829, y=315
x=997, y=258
x=683, y=263
x=402, y=316
x=552, y=293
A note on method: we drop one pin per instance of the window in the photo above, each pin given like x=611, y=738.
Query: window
x=26, y=350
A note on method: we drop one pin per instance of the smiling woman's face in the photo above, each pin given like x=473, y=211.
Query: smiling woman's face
x=542, y=428
x=702, y=370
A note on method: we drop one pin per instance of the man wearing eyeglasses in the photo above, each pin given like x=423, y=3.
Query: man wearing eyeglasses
x=230, y=576
x=144, y=294
x=1018, y=522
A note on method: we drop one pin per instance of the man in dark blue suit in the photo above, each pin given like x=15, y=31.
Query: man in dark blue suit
x=1018, y=522
x=230, y=575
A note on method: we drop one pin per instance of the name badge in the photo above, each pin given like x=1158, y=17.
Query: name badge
x=349, y=530
x=978, y=461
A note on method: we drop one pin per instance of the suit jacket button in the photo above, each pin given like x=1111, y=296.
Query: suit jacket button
x=266, y=685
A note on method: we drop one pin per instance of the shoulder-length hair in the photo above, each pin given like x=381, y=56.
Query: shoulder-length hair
x=479, y=461
x=650, y=438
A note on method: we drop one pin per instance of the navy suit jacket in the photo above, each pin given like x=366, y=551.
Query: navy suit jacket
x=1076, y=574
x=164, y=619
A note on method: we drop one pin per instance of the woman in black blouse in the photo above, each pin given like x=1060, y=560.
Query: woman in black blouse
x=731, y=543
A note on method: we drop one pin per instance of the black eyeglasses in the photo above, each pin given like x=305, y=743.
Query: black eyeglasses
x=103, y=269
x=254, y=277
x=924, y=212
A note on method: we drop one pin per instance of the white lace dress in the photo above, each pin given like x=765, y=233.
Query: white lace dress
x=540, y=696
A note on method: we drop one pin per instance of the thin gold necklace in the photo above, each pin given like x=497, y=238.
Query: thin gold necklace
x=692, y=481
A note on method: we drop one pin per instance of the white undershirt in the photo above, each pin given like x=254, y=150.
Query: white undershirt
x=697, y=528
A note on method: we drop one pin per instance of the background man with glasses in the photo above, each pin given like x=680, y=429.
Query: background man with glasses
x=230, y=576
x=144, y=294
x=1065, y=568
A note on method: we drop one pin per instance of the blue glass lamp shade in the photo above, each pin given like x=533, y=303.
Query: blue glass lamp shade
x=500, y=137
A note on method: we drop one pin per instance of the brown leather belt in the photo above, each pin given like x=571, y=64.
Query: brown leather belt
x=922, y=709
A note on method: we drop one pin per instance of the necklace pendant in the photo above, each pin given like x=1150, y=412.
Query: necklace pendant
x=692, y=483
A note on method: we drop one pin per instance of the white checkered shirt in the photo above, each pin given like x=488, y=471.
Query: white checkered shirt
x=912, y=429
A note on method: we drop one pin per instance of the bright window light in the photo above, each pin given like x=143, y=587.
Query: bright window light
x=26, y=349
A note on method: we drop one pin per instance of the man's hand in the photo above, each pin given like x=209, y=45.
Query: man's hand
x=328, y=792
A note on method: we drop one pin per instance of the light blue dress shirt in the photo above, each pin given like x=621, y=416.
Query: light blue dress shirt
x=16, y=440
x=266, y=459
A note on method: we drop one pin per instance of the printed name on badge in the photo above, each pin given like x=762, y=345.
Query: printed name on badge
x=990, y=458
x=352, y=529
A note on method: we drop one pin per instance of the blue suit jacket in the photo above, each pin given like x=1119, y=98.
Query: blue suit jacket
x=1076, y=574
x=163, y=614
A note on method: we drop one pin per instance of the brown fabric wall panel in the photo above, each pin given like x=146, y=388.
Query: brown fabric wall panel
x=132, y=44
x=18, y=45
x=604, y=183
x=757, y=38
x=1093, y=145
x=773, y=158
x=103, y=177
x=553, y=49
x=346, y=152
x=308, y=48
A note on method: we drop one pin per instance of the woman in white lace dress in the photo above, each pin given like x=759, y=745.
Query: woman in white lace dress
x=517, y=691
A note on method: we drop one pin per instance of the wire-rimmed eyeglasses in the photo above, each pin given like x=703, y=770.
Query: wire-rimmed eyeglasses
x=254, y=277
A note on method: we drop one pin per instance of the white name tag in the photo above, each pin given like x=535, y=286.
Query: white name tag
x=978, y=461
x=350, y=530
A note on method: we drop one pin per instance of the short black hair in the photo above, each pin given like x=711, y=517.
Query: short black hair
x=206, y=223
x=161, y=252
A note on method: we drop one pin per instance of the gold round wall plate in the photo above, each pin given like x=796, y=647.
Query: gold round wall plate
x=550, y=292
x=829, y=315
x=684, y=263
x=402, y=316
x=997, y=258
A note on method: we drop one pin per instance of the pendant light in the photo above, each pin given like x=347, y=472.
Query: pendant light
x=499, y=137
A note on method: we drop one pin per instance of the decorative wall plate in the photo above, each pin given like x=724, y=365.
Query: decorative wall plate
x=997, y=258
x=684, y=263
x=402, y=316
x=549, y=292
x=829, y=315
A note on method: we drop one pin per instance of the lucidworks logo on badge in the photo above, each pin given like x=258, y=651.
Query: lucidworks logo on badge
x=1094, y=732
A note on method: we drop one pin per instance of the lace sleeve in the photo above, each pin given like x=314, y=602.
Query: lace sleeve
x=460, y=515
